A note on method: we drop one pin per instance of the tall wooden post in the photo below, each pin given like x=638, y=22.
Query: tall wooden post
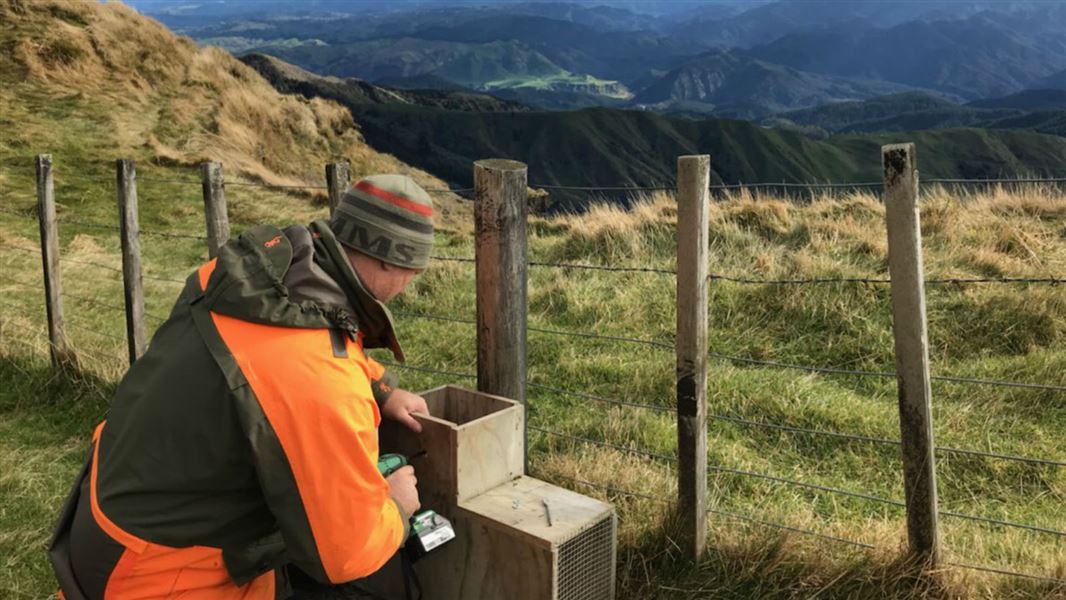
x=214, y=206
x=53, y=288
x=500, y=252
x=912, y=347
x=693, y=235
x=130, y=232
x=338, y=177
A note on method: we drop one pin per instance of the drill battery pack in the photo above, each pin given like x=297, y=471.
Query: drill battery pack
x=429, y=531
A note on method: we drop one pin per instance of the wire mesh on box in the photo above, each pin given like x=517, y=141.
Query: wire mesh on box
x=586, y=563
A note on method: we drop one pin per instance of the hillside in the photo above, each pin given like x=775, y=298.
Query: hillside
x=506, y=67
x=290, y=79
x=123, y=85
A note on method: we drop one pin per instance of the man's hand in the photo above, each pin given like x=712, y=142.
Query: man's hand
x=401, y=404
x=402, y=488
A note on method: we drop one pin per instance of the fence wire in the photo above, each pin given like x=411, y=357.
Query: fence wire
x=717, y=511
x=802, y=484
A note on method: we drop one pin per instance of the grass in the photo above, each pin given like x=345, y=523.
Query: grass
x=1011, y=332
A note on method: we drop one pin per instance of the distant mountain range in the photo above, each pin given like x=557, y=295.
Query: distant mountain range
x=1043, y=111
x=735, y=85
x=971, y=58
x=744, y=60
x=444, y=135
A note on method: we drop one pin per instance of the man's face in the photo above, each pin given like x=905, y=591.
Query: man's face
x=383, y=280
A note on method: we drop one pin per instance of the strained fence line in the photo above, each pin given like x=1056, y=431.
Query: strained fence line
x=947, y=281
x=68, y=260
x=429, y=317
x=826, y=370
x=1007, y=572
x=275, y=186
x=111, y=307
x=172, y=180
x=15, y=213
x=724, y=513
x=98, y=354
x=793, y=185
x=885, y=441
x=612, y=268
x=1003, y=523
x=605, y=188
x=143, y=231
x=613, y=401
x=1011, y=180
x=887, y=281
x=792, y=429
x=104, y=334
x=804, y=484
x=65, y=259
x=703, y=351
x=584, y=440
x=428, y=370
x=886, y=374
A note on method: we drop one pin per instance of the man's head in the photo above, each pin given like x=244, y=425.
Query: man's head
x=385, y=223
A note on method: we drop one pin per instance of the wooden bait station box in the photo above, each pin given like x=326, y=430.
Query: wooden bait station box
x=517, y=538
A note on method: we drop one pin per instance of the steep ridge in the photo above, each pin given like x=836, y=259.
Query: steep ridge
x=133, y=88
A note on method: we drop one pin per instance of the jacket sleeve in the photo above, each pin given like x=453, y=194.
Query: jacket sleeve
x=382, y=381
x=315, y=449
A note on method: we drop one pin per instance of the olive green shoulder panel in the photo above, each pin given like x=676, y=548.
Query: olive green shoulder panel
x=248, y=282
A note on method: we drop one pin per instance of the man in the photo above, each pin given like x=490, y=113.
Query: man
x=245, y=440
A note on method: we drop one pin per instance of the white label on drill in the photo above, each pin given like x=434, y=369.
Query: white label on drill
x=437, y=537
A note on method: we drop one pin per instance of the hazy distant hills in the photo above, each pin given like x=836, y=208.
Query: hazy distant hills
x=1038, y=110
x=766, y=23
x=731, y=59
x=732, y=84
x=972, y=58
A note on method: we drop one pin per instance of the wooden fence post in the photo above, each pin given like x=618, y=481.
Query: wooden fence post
x=500, y=253
x=899, y=162
x=130, y=232
x=53, y=288
x=693, y=235
x=338, y=177
x=214, y=206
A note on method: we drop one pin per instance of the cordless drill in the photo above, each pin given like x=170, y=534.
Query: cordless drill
x=429, y=530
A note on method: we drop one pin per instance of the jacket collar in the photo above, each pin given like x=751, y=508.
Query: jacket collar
x=372, y=317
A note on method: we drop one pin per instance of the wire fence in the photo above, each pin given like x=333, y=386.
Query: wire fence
x=661, y=346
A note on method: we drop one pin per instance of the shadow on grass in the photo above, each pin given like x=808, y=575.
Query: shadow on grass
x=50, y=405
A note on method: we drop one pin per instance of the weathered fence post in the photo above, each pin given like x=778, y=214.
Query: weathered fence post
x=53, y=288
x=899, y=162
x=500, y=253
x=338, y=176
x=693, y=234
x=130, y=232
x=214, y=206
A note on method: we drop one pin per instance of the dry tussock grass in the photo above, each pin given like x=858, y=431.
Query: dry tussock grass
x=186, y=104
x=994, y=232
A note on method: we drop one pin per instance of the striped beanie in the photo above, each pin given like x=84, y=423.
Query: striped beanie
x=388, y=217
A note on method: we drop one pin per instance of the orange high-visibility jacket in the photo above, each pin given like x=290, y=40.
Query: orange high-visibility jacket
x=245, y=439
